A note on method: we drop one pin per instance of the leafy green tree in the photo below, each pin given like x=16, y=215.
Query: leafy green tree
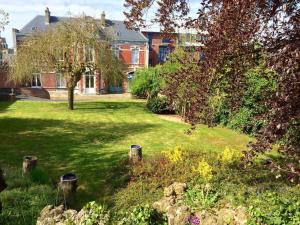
x=72, y=48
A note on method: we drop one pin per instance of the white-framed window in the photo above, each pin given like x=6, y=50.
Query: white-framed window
x=60, y=80
x=89, y=54
x=36, y=80
x=116, y=50
x=135, y=52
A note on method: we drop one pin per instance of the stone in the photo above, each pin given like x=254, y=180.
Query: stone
x=169, y=191
x=179, y=188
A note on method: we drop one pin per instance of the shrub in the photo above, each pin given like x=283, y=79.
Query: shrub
x=143, y=215
x=95, y=214
x=145, y=83
x=271, y=208
x=261, y=84
x=159, y=105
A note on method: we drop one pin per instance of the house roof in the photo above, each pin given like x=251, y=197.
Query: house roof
x=114, y=27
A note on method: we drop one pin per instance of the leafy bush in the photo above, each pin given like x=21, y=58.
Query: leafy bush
x=143, y=215
x=260, y=85
x=95, y=214
x=159, y=105
x=271, y=209
x=201, y=197
x=145, y=83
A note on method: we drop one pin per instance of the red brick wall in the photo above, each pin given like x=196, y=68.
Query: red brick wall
x=157, y=40
x=126, y=53
x=48, y=80
x=4, y=83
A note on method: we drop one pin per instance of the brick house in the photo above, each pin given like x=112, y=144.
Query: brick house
x=128, y=45
x=161, y=45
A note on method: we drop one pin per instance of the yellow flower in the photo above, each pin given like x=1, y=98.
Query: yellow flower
x=174, y=155
x=229, y=155
x=204, y=170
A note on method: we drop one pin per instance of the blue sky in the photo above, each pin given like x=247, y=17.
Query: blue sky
x=22, y=11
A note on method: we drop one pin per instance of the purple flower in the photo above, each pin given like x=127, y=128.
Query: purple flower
x=193, y=220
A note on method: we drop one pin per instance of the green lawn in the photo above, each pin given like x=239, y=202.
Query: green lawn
x=93, y=138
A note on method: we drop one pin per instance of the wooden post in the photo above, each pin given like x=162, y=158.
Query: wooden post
x=68, y=185
x=135, y=153
x=29, y=163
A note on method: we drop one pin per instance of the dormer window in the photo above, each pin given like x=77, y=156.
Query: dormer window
x=34, y=28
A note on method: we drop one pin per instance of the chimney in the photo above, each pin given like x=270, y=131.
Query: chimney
x=14, y=34
x=103, y=19
x=47, y=16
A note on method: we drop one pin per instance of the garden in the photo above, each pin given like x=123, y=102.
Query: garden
x=93, y=142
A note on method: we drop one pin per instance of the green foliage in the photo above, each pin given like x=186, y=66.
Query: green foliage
x=146, y=82
x=143, y=215
x=38, y=175
x=95, y=214
x=201, y=197
x=260, y=85
x=159, y=104
x=23, y=199
x=270, y=208
x=136, y=193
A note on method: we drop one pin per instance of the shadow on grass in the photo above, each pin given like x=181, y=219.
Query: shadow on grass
x=61, y=146
x=4, y=105
x=83, y=106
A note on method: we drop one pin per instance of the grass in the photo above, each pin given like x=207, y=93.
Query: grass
x=93, y=138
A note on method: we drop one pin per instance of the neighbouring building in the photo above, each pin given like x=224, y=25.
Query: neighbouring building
x=161, y=45
x=128, y=45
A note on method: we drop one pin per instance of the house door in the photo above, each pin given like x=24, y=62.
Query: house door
x=90, y=83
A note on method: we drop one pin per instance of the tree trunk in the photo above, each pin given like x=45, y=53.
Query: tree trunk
x=71, y=98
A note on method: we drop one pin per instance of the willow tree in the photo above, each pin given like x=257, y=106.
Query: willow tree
x=71, y=48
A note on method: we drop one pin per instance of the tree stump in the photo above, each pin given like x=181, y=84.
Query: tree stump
x=135, y=153
x=68, y=185
x=29, y=163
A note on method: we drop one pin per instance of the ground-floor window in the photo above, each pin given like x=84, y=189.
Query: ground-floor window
x=60, y=80
x=36, y=80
